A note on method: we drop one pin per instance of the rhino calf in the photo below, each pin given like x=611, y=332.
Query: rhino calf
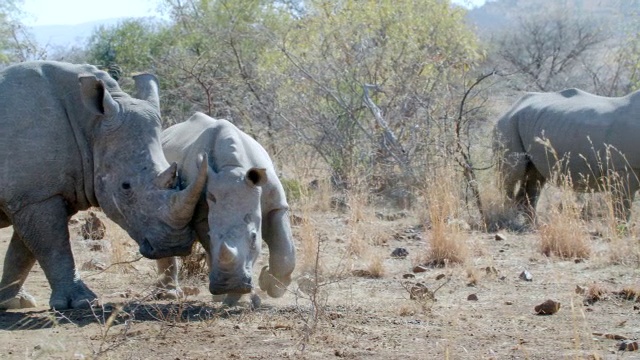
x=585, y=137
x=72, y=139
x=243, y=202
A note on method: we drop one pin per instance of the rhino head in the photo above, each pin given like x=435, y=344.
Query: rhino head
x=133, y=182
x=235, y=237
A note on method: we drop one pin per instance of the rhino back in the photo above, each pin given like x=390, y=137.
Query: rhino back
x=577, y=126
x=40, y=153
x=226, y=146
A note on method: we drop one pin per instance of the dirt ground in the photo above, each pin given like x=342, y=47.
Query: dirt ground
x=349, y=315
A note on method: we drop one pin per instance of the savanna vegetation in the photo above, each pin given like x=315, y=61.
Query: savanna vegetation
x=378, y=115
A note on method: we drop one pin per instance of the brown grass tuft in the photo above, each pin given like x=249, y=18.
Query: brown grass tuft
x=446, y=238
x=564, y=233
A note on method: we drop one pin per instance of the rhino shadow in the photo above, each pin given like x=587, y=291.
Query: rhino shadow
x=119, y=313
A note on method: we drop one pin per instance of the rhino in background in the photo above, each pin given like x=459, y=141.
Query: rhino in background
x=585, y=136
x=72, y=139
x=243, y=203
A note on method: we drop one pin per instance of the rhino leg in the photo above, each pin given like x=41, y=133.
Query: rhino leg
x=529, y=192
x=276, y=232
x=18, y=262
x=167, y=283
x=43, y=229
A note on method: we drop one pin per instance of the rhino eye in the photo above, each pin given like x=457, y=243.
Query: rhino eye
x=126, y=186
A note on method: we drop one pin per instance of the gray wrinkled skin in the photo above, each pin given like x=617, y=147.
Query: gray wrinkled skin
x=70, y=140
x=243, y=203
x=583, y=135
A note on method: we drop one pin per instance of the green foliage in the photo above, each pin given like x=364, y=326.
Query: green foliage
x=134, y=45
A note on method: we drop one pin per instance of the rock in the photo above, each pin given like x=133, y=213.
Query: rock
x=508, y=302
x=472, y=297
x=98, y=245
x=526, y=276
x=420, y=291
x=420, y=269
x=408, y=276
x=548, y=307
x=500, y=237
x=362, y=273
x=399, y=253
x=580, y=290
x=93, y=228
x=440, y=277
x=490, y=270
x=93, y=264
x=628, y=345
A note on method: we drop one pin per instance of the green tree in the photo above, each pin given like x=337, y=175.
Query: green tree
x=133, y=45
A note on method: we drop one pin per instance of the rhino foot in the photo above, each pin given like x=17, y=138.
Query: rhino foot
x=77, y=296
x=271, y=284
x=21, y=301
x=231, y=300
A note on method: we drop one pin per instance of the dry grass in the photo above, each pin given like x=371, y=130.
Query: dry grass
x=564, y=233
x=447, y=243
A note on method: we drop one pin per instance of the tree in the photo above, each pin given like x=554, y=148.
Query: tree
x=547, y=48
x=16, y=43
x=373, y=85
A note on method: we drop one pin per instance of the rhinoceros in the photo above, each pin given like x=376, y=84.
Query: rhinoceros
x=243, y=203
x=589, y=139
x=71, y=139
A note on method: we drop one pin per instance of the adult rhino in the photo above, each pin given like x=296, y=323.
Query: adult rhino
x=72, y=139
x=243, y=203
x=584, y=136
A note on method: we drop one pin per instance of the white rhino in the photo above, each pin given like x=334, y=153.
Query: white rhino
x=243, y=203
x=585, y=136
x=72, y=139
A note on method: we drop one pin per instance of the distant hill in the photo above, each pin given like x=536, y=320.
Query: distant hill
x=496, y=14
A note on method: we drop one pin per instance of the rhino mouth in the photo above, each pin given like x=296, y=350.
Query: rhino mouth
x=150, y=252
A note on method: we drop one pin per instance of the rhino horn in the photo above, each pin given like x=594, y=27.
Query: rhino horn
x=228, y=255
x=183, y=203
x=147, y=88
x=95, y=96
x=167, y=179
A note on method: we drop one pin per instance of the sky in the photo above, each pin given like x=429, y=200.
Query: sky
x=72, y=12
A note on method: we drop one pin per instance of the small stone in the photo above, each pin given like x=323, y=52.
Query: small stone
x=490, y=270
x=472, y=297
x=420, y=269
x=508, y=302
x=420, y=291
x=548, y=307
x=440, y=277
x=399, y=253
x=408, y=276
x=500, y=237
x=93, y=264
x=526, y=276
x=628, y=345
x=580, y=290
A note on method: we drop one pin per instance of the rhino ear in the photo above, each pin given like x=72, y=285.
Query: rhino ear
x=147, y=88
x=95, y=96
x=256, y=176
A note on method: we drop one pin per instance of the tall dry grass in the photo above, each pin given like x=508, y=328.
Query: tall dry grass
x=443, y=217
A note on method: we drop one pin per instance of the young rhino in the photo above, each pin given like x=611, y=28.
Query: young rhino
x=243, y=203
